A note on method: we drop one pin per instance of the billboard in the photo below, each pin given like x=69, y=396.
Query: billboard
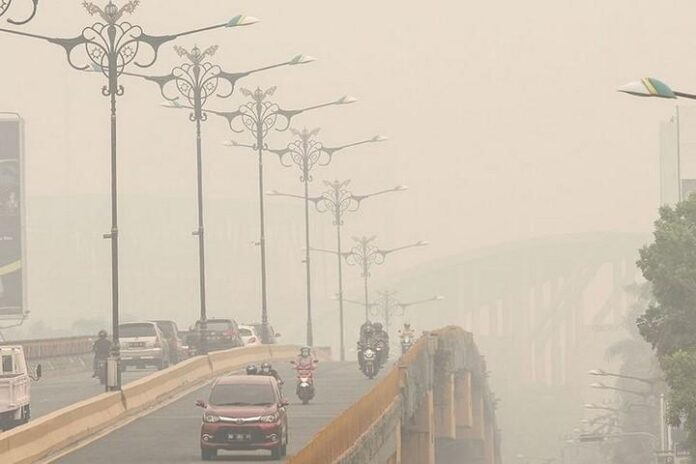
x=12, y=291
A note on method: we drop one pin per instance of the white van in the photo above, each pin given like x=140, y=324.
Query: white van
x=15, y=379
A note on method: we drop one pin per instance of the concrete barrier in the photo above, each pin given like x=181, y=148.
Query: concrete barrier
x=65, y=427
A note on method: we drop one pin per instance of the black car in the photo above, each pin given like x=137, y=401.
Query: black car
x=221, y=334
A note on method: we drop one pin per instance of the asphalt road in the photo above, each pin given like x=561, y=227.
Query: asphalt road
x=52, y=393
x=171, y=434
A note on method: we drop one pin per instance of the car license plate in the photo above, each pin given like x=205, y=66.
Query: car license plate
x=239, y=436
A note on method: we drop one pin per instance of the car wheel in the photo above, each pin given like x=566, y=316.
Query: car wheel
x=208, y=454
x=277, y=452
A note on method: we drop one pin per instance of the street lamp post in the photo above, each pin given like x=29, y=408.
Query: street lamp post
x=390, y=305
x=338, y=201
x=5, y=7
x=306, y=153
x=258, y=116
x=603, y=373
x=365, y=254
x=111, y=45
x=602, y=386
x=196, y=81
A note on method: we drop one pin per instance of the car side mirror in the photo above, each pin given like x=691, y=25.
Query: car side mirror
x=201, y=404
x=293, y=362
x=284, y=403
x=316, y=361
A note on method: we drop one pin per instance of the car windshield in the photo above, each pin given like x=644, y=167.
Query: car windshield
x=244, y=332
x=217, y=326
x=239, y=394
x=136, y=330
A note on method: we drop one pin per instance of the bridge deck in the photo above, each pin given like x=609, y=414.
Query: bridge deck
x=170, y=434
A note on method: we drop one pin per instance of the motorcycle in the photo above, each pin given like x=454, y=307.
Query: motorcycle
x=305, y=382
x=369, y=364
x=406, y=343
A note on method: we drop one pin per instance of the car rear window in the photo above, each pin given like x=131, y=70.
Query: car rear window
x=216, y=325
x=244, y=332
x=136, y=330
x=232, y=394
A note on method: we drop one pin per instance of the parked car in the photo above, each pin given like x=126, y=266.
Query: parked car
x=244, y=413
x=272, y=334
x=15, y=392
x=249, y=335
x=221, y=334
x=171, y=333
x=143, y=344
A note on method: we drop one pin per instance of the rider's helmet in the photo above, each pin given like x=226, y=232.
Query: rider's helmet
x=378, y=326
x=252, y=369
x=407, y=326
x=305, y=351
x=266, y=368
x=102, y=334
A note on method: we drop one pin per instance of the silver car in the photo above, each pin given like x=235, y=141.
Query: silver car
x=143, y=345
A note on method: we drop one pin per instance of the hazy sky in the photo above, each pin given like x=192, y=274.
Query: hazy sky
x=503, y=117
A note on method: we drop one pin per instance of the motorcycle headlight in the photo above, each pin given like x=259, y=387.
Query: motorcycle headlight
x=270, y=418
x=211, y=418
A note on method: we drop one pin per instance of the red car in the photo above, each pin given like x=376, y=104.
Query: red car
x=244, y=413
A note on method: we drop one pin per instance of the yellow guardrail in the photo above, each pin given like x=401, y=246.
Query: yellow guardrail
x=60, y=429
x=341, y=434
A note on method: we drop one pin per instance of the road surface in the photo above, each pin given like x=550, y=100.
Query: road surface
x=171, y=434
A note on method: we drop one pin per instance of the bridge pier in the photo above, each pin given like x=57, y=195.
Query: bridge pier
x=418, y=435
x=444, y=402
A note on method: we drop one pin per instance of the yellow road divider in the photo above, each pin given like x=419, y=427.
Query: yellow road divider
x=65, y=427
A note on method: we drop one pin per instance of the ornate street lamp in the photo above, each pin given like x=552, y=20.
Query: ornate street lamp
x=365, y=254
x=390, y=305
x=306, y=153
x=111, y=45
x=258, y=116
x=195, y=82
x=338, y=200
x=601, y=386
x=5, y=7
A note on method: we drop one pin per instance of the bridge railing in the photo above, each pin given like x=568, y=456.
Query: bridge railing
x=54, y=347
x=401, y=396
x=335, y=439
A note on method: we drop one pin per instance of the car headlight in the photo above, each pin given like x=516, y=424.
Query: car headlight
x=211, y=418
x=271, y=418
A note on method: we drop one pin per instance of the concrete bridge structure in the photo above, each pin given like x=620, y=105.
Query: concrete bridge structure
x=434, y=406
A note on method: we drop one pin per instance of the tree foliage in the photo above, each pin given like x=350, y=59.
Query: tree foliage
x=669, y=264
x=669, y=323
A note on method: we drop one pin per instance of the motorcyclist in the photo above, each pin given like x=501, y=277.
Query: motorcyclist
x=407, y=332
x=101, y=349
x=366, y=339
x=267, y=369
x=383, y=336
x=305, y=360
x=251, y=369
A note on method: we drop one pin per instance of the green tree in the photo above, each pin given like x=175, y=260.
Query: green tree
x=669, y=323
x=669, y=264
